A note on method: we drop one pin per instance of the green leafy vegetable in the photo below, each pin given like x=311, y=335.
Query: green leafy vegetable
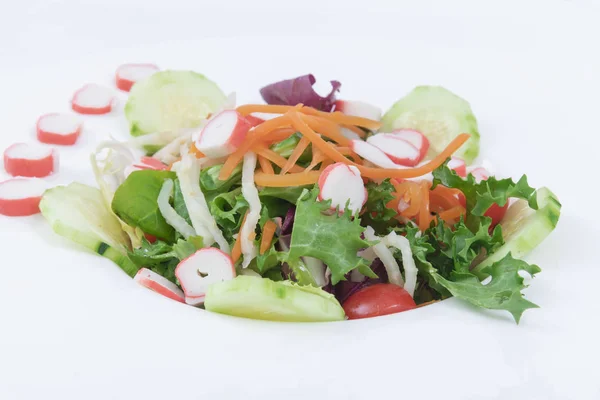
x=334, y=239
x=480, y=196
x=135, y=202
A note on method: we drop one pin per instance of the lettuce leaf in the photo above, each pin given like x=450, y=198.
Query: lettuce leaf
x=334, y=238
x=299, y=90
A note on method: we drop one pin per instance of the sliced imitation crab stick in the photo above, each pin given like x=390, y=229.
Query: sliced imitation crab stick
x=128, y=74
x=21, y=197
x=159, y=284
x=343, y=185
x=398, y=150
x=203, y=268
x=223, y=134
x=62, y=129
x=30, y=160
x=358, y=109
x=92, y=99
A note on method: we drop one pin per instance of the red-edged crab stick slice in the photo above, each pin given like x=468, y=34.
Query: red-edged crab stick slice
x=415, y=138
x=358, y=109
x=159, y=284
x=30, y=160
x=223, y=134
x=92, y=99
x=398, y=150
x=128, y=74
x=342, y=184
x=62, y=129
x=21, y=197
x=203, y=268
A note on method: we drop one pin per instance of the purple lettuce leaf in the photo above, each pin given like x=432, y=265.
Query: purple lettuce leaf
x=299, y=90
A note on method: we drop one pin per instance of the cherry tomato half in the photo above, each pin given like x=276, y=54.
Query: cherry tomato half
x=378, y=299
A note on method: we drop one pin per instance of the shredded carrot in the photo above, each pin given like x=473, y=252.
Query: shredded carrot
x=253, y=137
x=298, y=179
x=267, y=236
x=293, y=158
x=236, y=252
x=265, y=165
x=275, y=158
x=376, y=173
x=327, y=128
x=356, y=130
x=452, y=214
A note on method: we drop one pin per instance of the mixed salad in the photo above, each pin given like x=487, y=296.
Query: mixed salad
x=306, y=208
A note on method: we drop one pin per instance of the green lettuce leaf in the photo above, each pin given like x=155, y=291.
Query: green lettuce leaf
x=332, y=238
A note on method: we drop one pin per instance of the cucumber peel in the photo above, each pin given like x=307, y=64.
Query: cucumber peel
x=261, y=298
x=171, y=100
x=524, y=229
x=440, y=115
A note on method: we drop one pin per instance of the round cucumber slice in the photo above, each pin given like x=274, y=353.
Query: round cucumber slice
x=171, y=100
x=440, y=115
x=261, y=298
x=524, y=228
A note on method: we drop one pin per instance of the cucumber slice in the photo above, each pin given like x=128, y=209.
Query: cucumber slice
x=78, y=212
x=440, y=115
x=261, y=298
x=171, y=100
x=524, y=228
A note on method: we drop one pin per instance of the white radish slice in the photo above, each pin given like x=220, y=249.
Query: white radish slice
x=459, y=166
x=373, y=154
x=223, y=134
x=398, y=150
x=415, y=138
x=128, y=74
x=358, y=109
x=30, y=160
x=63, y=129
x=21, y=197
x=343, y=185
x=92, y=99
x=349, y=134
x=159, y=284
x=200, y=270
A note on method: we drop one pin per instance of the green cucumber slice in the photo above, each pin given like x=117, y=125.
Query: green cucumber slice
x=524, y=228
x=78, y=212
x=440, y=115
x=261, y=298
x=171, y=100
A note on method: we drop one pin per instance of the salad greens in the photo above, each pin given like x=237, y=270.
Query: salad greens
x=305, y=260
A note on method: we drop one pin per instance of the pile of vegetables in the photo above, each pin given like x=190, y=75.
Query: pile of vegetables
x=307, y=208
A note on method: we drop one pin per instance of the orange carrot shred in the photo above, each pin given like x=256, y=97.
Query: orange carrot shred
x=265, y=165
x=267, y=236
x=297, y=179
x=293, y=158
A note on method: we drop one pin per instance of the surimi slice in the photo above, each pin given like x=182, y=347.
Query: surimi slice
x=30, y=160
x=358, y=109
x=21, y=197
x=92, y=99
x=128, y=74
x=398, y=150
x=223, y=134
x=415, y=138
x=343, y=185
x=200, y=270
x=62, y=129
x=159, y=284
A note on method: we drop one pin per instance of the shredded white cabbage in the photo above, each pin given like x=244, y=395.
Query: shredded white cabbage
x=169, y=213
x=188, y=172
x=386, y=257
x=250, y=193
x=410, y=268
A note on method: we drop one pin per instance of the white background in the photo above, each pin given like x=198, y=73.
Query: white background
x=72, y=326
